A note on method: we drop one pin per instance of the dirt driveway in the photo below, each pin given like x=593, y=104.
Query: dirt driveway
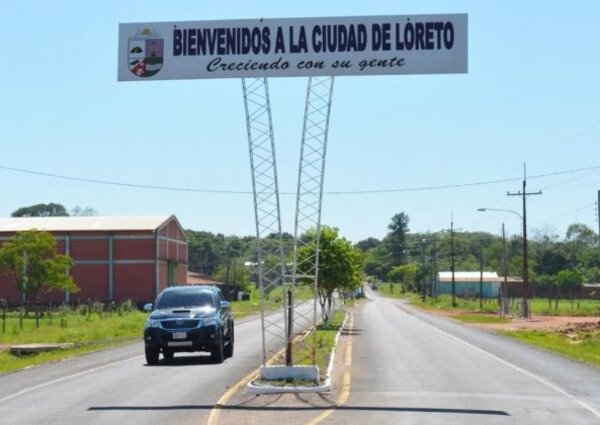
x=544, y=323
x=556, y=323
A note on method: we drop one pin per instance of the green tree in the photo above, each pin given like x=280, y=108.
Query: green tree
x=581, y=244
x=32, y=260
x=376, y=262
x=41, y=210
x=205, y=251
x=368, y=244
x=592, y=275
x=570, y=280
x=549, y=283
x=396, y=238
x=406, y=274
x=339, y=266
x=234, y=273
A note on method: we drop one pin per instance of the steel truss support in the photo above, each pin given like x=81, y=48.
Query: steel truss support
x=282, y=325
x=269, y=243
x=309, y=199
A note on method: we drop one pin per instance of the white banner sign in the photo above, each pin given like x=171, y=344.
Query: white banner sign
x=295, y=47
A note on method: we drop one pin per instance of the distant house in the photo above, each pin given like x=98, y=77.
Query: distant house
x=467, y=284
x=116, y=258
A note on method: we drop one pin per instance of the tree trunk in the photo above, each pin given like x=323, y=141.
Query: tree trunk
x=571, y=298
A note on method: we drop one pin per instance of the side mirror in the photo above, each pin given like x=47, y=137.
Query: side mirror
x=148, y=307
x=225, y=305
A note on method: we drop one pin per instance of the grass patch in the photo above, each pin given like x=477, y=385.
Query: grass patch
x=391, y=290
x=480, y=318
x=539, y=306
x=584, y=346
x=89, y=330
x=463, y=305
x=565, y=307
x=10, y=363
x=274, y=300
x=325, y=339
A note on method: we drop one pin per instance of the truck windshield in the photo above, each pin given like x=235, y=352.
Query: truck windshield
x=185, y=298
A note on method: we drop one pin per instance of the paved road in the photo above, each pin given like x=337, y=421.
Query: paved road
x=412, y=368
x=406, y=367
x=116, y=387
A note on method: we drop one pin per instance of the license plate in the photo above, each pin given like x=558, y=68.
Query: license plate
x=179, y=335
x=179, y=343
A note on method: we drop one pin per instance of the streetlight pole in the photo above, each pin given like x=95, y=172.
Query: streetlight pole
x=452, y=263
x=481, y=274
x=433, y=283
x=598, y=208
x=525, y=290
x=524, y=194
x=423, y=274
x=504, y=287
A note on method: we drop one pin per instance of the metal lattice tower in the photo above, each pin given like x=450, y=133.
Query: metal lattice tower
x=269, y=243
x=308, y=208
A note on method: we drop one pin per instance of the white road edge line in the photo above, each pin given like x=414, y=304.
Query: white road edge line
x=513, y=366
x=65, y=378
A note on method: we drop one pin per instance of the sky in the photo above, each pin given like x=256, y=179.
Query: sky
x=532, y=95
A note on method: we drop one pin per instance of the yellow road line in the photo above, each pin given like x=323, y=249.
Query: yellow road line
x=213, y=418
x=348, y=355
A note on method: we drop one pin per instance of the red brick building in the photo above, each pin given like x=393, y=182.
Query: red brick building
x=116, y=258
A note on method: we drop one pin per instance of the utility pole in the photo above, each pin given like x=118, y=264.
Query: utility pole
x=452, y=262
x=433, y=286
x=423, y=275
x=481, y=274
x=24, y=281
x=524, y=194
x=598, y=208
x=504, y=286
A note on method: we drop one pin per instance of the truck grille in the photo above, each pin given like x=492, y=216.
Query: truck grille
x=180, y=323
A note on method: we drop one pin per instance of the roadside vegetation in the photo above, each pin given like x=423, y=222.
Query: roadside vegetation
x=325, y=338
x=539, y=306
x=326, y=334
x=577, y=342
x=88, y=327
x=91, y=327
x=251, y=306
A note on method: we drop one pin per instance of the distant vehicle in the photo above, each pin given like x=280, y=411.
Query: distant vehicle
x=188, y=319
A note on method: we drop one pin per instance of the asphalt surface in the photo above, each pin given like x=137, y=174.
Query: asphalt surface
x=410, y=367
x=397, y=365
x=117, y=387
x=406, y=368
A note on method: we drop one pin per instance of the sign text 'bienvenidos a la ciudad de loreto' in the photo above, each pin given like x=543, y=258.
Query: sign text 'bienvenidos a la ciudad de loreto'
x=295, y=47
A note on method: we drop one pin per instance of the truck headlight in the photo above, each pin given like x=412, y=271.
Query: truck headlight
x=152, y=323
x=209, y=321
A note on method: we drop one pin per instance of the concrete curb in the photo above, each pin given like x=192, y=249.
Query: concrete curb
x=37, y=348
x=253, y=388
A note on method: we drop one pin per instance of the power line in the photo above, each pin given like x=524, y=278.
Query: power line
x=339, y=192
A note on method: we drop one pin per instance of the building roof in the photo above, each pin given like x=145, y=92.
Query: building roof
x=83, y=224
x=446, y=277
x=467, y=275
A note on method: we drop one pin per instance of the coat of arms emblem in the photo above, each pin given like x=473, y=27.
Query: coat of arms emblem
x=145, y=53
